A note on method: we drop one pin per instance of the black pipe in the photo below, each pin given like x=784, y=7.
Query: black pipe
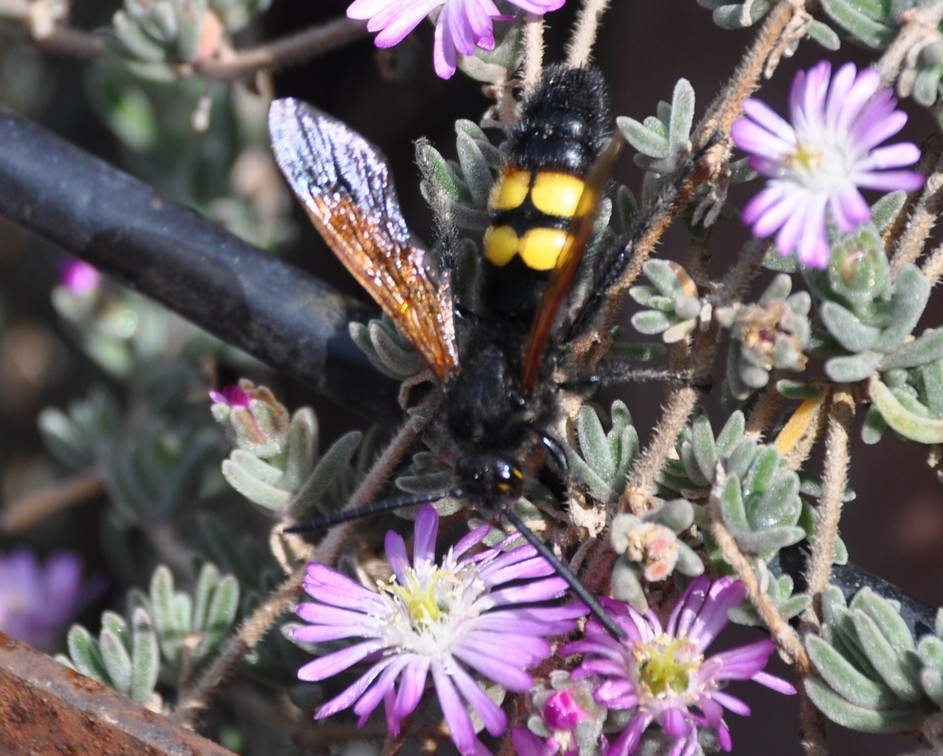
x=247, y=297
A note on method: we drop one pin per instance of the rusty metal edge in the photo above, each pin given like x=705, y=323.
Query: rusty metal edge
x=45, y=707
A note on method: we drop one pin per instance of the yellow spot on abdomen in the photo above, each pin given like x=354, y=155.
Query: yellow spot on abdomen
x=501, y=244
x=541, y=247
x=557, y=193
x=510, y=190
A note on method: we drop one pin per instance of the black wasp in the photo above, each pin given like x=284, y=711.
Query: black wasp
x=496, y=364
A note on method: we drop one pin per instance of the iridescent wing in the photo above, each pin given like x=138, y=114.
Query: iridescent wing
x=561, y=279
x=344, y=184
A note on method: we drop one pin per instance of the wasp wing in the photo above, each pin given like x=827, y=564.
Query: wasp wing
x=568, y=263
x=345, y=185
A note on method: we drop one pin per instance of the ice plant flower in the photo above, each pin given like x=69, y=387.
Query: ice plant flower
x=37, y=600
x=79, y=278
x=258, y=421
x=662, y=672
x=460, y=26
x=469, y=615
x=566, y=719
x=816, y=164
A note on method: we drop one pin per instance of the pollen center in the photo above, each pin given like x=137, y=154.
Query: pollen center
x=667, y=666
x=820, y=166
x=427, y=599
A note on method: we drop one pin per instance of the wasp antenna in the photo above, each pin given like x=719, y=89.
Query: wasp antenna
x=576, y=585
x=336, y=518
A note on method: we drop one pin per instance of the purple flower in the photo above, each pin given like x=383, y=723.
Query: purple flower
x=78, y=277
x=662, y=673
x=460, y=26
x=37, y=600
x=259, y=423
x=468, y=615
x=567, y=720
x=816, y=165
x=231, y=396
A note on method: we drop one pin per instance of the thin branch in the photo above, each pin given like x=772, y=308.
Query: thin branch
x=762, y=412
x=290, y=50
x=933, y=266
x=729, y=103
x=834, y=480
x=235, y=64
x=51, y=34
x=579, y=50
x=914, y=234
x=36, y=506
x=533, y=51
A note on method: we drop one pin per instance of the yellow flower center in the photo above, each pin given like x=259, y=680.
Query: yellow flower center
x=666, y=666
x=805, y=159
x=426, y=601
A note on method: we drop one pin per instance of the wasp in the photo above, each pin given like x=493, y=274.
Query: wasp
x=496, y=365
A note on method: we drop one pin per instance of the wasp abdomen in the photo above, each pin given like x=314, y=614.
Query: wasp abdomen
x=565, y=123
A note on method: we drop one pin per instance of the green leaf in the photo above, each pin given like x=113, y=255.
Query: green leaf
x=908, y=424
x=221, y=615
x=765, y=466
x=853, y=368
x=116, y=659
x=643, y=139
x=691, y=468
x=849, y=16
x=926, y=348
x=165, y=613
x=884, y=659
x=887, y=208
x=205, y=588
x=145, y=658
x=780, y=503
x=861, y=718
x=337, y=460
x=768, y=541
x=254, y=467
x=302, y=448
x=824, y=35
x=257, y=491
x=682, y=117
x=730, y=16
x=847, y=329
x=798, y=390
x=651, y=322
x=627, y=207
x=392, y=350
x=436, y=169
x=475, y=168
x=662, y=274
x=83, y=651
x=926, y=87
x=912, y=292
x=731, y=505
x=702, y=443
x=845, y=679
x=887, y=616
